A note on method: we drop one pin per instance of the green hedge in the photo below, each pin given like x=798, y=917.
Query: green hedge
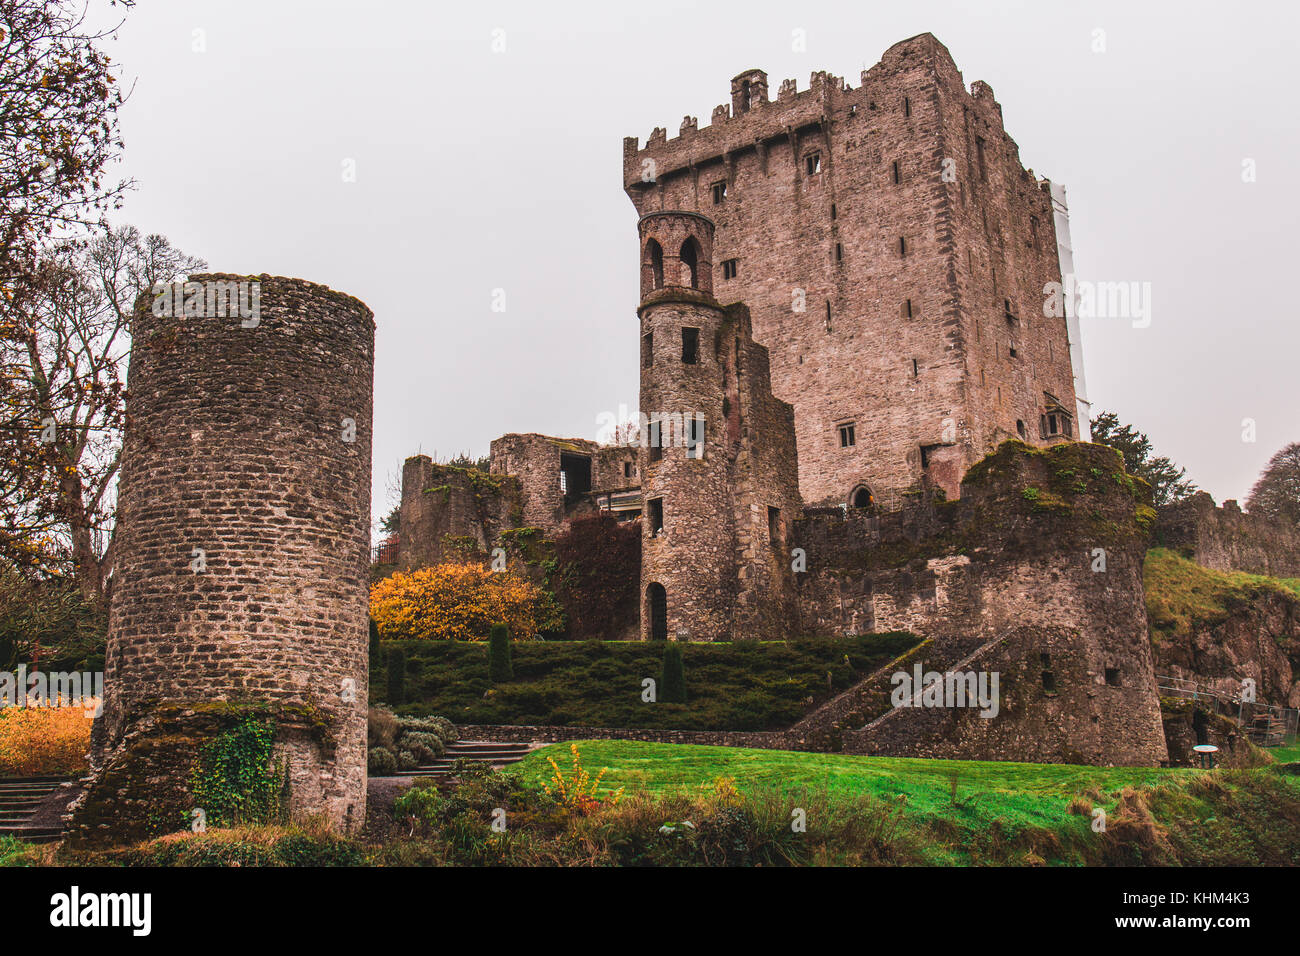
x=744, y=686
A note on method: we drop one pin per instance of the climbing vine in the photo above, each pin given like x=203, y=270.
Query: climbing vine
x=235, y=779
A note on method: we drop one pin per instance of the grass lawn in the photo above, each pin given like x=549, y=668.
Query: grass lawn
x=1289, y=754
x=1023, y=790
x=961, y=812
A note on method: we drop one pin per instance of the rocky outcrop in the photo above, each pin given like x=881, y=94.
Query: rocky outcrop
x=1259, y=639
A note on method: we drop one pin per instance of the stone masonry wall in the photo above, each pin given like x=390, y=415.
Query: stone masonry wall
x=1228, y=539
x=893, y=253
x=1038, y=568
x=450, y=513
x=243, y=537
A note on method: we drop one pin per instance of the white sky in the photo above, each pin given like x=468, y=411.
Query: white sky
x=478, y=171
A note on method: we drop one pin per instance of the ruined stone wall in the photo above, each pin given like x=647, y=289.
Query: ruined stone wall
x=878, y=272
x=243, y=542
x=1228, y=539
x=1011, y=573
x=450, y=513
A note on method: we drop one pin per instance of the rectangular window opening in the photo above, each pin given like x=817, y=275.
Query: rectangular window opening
x=848, y=435
x=813, y=163
x=730, y=268
x=774, y=525
x=690, y=346
x=647, y=350
x=655, y=513
x=719, y=192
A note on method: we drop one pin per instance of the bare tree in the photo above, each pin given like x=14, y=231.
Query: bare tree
x=1277, y=492
x=63, y=381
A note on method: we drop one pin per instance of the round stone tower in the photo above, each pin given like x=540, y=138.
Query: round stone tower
x=688, y=564
x=241, y=573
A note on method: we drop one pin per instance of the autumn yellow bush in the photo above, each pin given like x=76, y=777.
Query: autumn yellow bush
x=44, y=740
x=457, y=602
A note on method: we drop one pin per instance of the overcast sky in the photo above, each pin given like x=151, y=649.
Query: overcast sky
x=478, y=170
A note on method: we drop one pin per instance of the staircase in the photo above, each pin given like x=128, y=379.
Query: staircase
x=19, y=799
x=497, y=755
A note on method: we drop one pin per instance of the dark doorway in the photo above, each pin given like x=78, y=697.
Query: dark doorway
x=657, y=600
x=1201, y=726
x=862, y=498
x=575, y=475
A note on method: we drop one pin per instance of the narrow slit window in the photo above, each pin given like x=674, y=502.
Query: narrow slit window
x=648, y=350
x=655, y=439
x=898, y=174
x=774, y=525
x=695, y=437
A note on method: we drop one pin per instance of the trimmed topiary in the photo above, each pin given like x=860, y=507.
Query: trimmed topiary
x=672, y=688
x=396, y=676
x=499, y=666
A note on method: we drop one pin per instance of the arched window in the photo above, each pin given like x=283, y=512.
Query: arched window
x=861, y=497
x=657, y=605
x=654, y=256
x=691, y=260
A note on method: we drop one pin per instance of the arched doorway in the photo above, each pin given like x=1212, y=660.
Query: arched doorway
x=657, y=605
x=861, y=497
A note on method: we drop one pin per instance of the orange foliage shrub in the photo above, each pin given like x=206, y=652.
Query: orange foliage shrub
x=44, y=740
x=455, y=602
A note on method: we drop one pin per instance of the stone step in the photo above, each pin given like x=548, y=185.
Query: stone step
x=32, y=834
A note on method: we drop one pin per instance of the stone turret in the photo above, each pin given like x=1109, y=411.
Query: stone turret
x=240, y=581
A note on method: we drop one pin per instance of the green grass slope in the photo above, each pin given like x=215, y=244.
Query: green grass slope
x=742, y=686
x=952, y=812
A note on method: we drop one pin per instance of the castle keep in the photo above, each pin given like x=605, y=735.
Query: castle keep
x=893, y=252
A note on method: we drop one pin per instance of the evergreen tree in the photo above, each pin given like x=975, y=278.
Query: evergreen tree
x=1168, y=481
x=672, y=689
x=500, y=667
x=396, y=676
